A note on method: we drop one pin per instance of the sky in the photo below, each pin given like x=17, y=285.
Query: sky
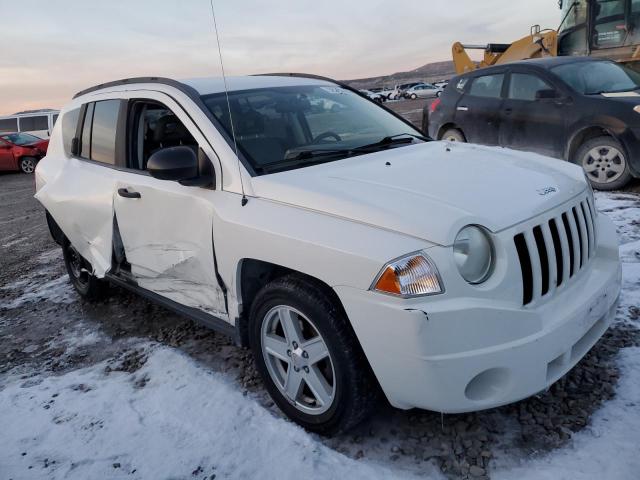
x=50, y=50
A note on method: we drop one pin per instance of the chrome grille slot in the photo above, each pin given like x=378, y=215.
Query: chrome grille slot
x=554, y=251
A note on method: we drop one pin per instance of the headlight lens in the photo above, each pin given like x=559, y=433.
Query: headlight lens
x=473, y=254
x=409, y=276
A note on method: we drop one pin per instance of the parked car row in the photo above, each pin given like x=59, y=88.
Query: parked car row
x=21, y=151
x=351, y=253
x=579, y=109
x=412, y=90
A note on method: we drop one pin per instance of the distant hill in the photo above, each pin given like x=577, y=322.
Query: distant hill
x=431, y=72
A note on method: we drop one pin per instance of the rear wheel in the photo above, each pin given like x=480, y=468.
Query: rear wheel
x=453, y=135
x=308, y=357
x=80, y=273
x=27, y=164
x=605, y=162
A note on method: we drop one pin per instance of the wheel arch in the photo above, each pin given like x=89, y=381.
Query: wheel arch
x=253, y=274
x=585, y=134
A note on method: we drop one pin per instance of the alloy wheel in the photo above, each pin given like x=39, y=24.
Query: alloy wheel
x=27, y=165
x=77, y=266
x=604, y=164
x=298, y=360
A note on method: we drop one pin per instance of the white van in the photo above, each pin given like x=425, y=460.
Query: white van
x=36, y=122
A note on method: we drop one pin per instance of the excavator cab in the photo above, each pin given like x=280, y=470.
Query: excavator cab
x=600, y=28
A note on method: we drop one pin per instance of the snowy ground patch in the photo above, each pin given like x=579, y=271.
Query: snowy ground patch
x=608, y=449
x=184, y=422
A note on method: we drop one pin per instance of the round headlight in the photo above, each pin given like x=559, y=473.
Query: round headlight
x=473, y=254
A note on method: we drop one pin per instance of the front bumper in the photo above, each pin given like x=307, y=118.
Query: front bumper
x=454, y=354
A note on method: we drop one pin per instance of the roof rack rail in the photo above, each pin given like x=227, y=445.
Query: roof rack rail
x=128, y=81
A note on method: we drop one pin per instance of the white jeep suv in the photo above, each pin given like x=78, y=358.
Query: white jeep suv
x=349, y=252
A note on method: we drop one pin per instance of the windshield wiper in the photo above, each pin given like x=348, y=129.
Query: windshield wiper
x=319, y=155
x=601, y=92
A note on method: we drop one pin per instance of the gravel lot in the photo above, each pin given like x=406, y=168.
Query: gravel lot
x=39, y=312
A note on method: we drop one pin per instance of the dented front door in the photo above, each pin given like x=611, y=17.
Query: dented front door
x=167, y=234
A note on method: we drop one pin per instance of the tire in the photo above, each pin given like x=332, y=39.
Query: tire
x=413, y=96
x=350, y=391
x=605, y=162
x=453, y=135
x=438, y=94
x=80, y=276
x=27, y=165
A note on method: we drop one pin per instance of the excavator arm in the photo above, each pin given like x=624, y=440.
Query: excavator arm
x=539, y=43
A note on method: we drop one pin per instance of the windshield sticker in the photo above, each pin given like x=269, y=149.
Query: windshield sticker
x=621, y=94
x=336, y=90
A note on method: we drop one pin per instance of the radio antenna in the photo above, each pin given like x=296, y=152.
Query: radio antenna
x=226, y=93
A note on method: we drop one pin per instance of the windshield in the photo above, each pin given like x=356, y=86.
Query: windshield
x=591, y=78
x=574, y=13
x=20, y=138
x=284, y=128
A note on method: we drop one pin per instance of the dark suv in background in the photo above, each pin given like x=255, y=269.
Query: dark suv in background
x=583, y=110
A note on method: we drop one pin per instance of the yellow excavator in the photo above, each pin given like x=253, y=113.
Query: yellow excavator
x=599, y=28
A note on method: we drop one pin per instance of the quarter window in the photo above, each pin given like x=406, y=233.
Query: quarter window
x=524, y=86
x=489, y=86
x=33, y=124
x=69, y=126
x=9, y=125
x=103, y=132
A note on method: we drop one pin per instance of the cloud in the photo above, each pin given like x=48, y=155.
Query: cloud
x=60, y=48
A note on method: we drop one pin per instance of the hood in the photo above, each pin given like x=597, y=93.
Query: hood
x=430, y=190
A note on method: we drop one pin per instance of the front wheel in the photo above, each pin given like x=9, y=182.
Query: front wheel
x=308, y=357
x=413, y=96
x=81, y=273
x=605, y=162
x=27, y=164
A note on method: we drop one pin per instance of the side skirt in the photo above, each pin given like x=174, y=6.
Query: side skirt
x=194, y=314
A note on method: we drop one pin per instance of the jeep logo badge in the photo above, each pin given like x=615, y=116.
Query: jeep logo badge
x=546, y=190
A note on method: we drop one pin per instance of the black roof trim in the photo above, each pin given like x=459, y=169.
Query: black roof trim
x=128, y=81
x=343, y=85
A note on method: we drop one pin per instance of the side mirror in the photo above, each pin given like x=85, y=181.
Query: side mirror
x=546, y=94
x=182, y=164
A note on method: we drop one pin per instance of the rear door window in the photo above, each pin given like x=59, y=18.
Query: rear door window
x=524, y=86
x=103, y=132
x=488, y=86
x=85, y=139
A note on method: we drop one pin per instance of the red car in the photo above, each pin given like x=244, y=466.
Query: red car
x=21, y=151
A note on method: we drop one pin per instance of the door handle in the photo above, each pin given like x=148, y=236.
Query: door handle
x=508, y=111
x=123, y=192
x=463, y=109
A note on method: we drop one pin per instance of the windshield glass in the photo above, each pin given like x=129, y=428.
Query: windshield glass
x=591, y=78
x=20, y=138
x=283, y=128
x=574, y=13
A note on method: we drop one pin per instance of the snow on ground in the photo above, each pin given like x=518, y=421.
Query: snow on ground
x=94, y=424
x=609, y=448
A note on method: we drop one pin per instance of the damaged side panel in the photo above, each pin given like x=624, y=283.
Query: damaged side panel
x=167, y=240
x=80, y=200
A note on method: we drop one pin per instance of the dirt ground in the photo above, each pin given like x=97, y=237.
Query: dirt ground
x=33, y=336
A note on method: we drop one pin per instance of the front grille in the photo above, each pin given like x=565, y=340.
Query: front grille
x=553, y=252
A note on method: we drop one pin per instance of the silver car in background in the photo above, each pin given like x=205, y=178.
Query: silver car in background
x=425, y=90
